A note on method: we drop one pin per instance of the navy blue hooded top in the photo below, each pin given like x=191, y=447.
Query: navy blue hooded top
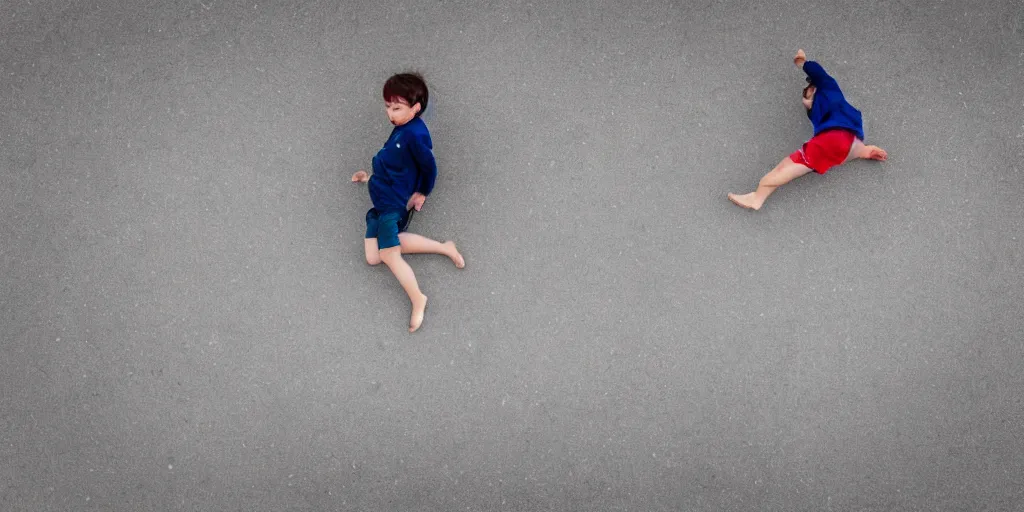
x=403, y=166
x=830, y=109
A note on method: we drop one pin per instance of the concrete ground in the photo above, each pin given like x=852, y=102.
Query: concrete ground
x=188, y=324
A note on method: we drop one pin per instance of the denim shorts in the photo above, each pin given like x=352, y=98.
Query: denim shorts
x=385, y=226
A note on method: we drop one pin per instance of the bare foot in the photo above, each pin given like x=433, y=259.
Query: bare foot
x=360, y=177
x=455, y=255
x=746, y=201
x=419, y=307
x=875, y=153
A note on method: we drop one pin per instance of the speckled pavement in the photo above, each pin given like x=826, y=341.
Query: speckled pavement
x=188, y=323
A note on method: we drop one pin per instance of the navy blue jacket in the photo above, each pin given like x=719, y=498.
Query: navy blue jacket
x=830, y=109
x=403, y=166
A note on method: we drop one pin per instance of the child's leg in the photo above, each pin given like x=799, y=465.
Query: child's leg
x=370, y=245
x=786, y=171
x=392, y=257
x=860, y=150
x=372, y=253
x=419, y=244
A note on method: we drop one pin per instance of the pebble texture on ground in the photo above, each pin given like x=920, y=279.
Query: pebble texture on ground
x=187, y=321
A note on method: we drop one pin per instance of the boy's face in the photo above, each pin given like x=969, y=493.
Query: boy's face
x=808, y=99
x=399, y=111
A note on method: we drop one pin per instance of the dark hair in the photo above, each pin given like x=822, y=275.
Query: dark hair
x=809, y=85
x=409, y=87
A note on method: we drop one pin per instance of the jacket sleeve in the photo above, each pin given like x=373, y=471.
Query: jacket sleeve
x=423, y=152
x=818, y=76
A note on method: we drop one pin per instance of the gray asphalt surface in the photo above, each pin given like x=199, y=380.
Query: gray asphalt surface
x=188, y=323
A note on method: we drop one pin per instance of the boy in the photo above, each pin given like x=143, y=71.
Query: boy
x=838, y=136
x=403, y=176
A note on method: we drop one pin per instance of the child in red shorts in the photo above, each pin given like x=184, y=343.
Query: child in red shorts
x=838, y=136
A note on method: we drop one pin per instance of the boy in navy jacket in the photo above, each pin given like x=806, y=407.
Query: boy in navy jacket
x=838, y=136
x=404, y=171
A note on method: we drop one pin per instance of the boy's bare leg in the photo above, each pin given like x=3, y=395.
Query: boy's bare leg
x=412, y=243
x=372, y=253
x=861, y=150
x=786, y=171
x=392, y=257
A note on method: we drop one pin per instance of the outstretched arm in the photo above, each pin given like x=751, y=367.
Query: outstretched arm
x=819, y=77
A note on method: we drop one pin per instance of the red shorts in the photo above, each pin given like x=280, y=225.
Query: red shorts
x=825, y=150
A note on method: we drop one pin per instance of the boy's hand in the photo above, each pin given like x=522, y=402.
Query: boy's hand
x=800, y=58
x=416, y=201
x=360, y=177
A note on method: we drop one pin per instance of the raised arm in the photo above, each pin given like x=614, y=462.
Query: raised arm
x=817, y=74
x=800, y=58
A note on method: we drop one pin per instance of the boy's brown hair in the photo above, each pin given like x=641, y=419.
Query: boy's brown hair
x=809, y=85
x=409, y=87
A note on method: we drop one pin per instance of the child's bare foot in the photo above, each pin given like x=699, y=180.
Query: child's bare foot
x=875, y=153
x=360, y=177
x=746, y=201
x=454, y=254
x=419, y=307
